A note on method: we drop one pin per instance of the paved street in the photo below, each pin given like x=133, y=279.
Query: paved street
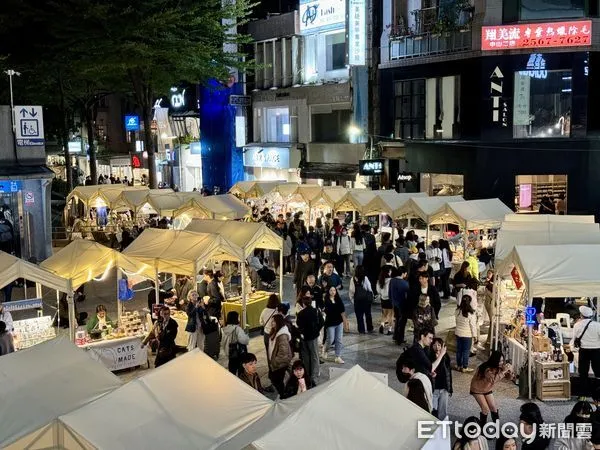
x=374, y=352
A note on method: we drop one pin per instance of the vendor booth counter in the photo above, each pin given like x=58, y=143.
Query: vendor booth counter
x=254, y=307
x=118, y=354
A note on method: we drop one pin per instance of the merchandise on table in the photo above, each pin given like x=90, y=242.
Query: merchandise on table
x=130, y=325
x=29, y=332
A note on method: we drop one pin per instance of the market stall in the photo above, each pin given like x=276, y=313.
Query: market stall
x=183, y=252
x=41, y=383
x=253, y=189
x=32, y=331
x=83, y=261
x=548, y=218
x=545, y=271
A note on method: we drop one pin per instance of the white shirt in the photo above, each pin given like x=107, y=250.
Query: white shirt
x=445, y=257
x=470, y=292
x=591, y=338
x=465, y=326
x=424, y=379
x=384, y=291
x=6, y=317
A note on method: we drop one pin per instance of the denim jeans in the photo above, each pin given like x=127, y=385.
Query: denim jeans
x=357, y=258
x=336, y=333
x=440, y=403
x=463, y=348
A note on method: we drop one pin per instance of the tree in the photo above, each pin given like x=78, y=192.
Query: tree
x=159, y=43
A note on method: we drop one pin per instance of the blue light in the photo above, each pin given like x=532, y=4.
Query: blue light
x=132, y=123
x=530, y=316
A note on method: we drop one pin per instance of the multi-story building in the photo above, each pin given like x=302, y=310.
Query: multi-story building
x=308, y=92
x=494, y=99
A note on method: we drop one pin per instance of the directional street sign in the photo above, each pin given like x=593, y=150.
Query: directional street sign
x=29, y=121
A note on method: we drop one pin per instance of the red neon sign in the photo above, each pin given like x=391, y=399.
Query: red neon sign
x=537, y=35
x=135, y=162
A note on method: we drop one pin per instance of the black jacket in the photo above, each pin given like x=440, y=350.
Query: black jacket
x=303, y=269
x=309, y=321
x=216, y=298
x=317, y=294
x=202, y=289
x=443, y=373
x=291, y=387
x=432, y=293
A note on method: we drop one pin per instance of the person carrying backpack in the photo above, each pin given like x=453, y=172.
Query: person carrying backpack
x=361, y=294
x=309, y=322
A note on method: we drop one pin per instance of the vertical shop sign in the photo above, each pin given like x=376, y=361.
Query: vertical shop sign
x=499, y=106
x=357, y=36
x=521, y=102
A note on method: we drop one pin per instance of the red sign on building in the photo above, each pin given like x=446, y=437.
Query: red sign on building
x=537, y=35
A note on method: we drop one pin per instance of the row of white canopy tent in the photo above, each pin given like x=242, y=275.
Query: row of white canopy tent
x=163, y=202
x=55, y=396
x=554, y=258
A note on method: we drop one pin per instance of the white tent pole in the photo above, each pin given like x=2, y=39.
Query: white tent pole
x=243, y=263
x=72, y=318
x=529, y=353
x=281, y=273
x=38, y=290
x=25, y=287
x=58, y=309
x=156, y=283
x=426, y=235
x=119, y=302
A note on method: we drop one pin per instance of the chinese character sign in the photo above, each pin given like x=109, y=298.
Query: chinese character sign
x=536, y=35
x=357, y=23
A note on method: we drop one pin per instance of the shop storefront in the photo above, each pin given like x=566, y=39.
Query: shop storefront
x=526, y=135
x=264, y=163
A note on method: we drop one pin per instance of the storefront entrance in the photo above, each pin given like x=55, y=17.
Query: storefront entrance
x=530, y=190
x=442, y=184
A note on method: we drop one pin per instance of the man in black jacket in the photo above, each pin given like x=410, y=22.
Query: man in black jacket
x=315, y=290
x=422, y=286
x=304, y=267
x=165, y=331
x=309, y=322
x=216, y=297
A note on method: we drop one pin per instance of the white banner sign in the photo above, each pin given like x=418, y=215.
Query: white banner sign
x=29, y=124
x=357, y=36
x=321, y=15
x=521, y=102
x=119, y=354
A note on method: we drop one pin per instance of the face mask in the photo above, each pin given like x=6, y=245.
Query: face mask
x=404, y=377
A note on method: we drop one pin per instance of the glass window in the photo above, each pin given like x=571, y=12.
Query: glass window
x=410, y=109
x=331, y=127
x=542, y=103
x=336, y=51
x=443, y=107
x=277, y=124
x=551, y=9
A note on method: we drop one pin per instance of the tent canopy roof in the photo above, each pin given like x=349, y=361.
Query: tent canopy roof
x=424, y=207
x=375, y=417
x=547, y=218
x=473, y=214
x=83, y=260
x=181, y=251
x=551, y=227
x=558, y=270
x=40, y=383
x=206, y=406
x=508, y=239
x=224, y=207
x=254, y=189
x=246, y=235
x=108, y=193
x=12, y=268
x=390, y=202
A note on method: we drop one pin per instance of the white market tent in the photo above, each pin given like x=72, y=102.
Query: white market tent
x=12, y=268
x=554, y=227
x=225, y=207
x=391, y=203
x=254, y=189
x=82, y=261
x=547, y=218
x=555, y=271
x=472, y=214
x=425, y=207
x=107, y=193
x=246, y=235
x=204, y=408
x=353, y=411
x=41, y=383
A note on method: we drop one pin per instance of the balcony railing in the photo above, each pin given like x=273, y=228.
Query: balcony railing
x=429, y=44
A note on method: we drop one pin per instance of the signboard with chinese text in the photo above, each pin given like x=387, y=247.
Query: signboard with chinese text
x=321, y=15
x=521, y=100
x=537, y=35
x=357, y=34
x=29, y=125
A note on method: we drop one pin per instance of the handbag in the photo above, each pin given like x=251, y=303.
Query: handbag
x=361, y=295
x=236, y=350
x=262, y=330
x=577, y=340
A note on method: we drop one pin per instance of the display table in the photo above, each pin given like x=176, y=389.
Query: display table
x=552, y=380
x=118, y=354
x=254, y=308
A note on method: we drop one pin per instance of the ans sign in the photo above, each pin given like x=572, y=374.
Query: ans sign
x=321, y=15
x=499, y=105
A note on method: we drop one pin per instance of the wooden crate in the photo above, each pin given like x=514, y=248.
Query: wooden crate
x=547, y=389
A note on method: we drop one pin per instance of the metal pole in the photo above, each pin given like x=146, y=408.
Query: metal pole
x=529, y=353
x=72, y=318
x=119, y=302
x=11, y=73
x=25, y=287
x=244, y=302
x=157, y=284
x=281, y=273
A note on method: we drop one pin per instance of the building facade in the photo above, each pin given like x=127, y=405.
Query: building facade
x=495, y=101
x=304, y=96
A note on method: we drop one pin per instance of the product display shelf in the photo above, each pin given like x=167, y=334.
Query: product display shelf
x=548, y=388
